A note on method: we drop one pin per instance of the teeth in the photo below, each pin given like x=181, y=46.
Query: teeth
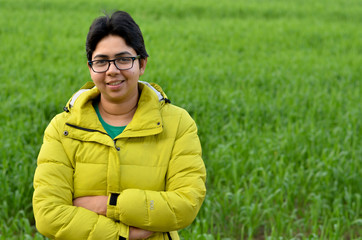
x=114, y=83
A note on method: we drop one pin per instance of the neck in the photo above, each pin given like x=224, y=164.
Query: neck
x=118, y=113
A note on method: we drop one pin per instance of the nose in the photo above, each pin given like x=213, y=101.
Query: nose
x=112, y=68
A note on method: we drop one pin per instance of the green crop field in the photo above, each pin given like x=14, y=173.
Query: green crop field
x=274, y=86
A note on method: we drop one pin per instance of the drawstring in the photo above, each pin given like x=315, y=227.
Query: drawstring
x=115, y=145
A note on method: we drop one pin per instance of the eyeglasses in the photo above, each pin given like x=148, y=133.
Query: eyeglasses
x=121, y=63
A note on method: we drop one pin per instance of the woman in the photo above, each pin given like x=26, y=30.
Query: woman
x=121, y=162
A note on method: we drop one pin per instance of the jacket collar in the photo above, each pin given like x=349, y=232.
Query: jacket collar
x=146, y=121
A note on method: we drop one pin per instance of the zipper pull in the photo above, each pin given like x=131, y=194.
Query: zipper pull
x=115, y=145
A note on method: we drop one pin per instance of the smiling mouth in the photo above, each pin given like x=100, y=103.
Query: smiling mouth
x=115, y=83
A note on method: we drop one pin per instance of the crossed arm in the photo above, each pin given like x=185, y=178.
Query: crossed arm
x=98, y=204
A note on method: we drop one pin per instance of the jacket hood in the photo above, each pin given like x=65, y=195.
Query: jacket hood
x=90, y=85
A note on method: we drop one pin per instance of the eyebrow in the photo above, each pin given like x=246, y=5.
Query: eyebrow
x=116, y=55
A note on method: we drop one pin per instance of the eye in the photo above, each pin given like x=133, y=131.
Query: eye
x=100, y=63
x=123, y=60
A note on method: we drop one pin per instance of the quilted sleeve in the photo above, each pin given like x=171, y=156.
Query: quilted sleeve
x=54, y=213
x=178, y=206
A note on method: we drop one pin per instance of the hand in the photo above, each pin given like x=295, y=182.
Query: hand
x=138, y=233
x=97, y=204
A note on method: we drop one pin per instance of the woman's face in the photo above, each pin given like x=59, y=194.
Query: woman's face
x=116, y=86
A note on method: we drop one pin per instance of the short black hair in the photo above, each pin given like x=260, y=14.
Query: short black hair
x=121, y=24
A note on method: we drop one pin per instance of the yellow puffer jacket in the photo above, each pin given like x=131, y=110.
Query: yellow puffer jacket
x=155, y=166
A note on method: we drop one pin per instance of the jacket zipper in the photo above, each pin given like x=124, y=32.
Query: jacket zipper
x=93, y=130
x=169, y=236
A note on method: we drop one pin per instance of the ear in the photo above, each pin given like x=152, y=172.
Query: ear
x=143, y=63
x=89, y=67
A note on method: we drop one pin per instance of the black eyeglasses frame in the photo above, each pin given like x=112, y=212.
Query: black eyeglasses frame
x=114, y=62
